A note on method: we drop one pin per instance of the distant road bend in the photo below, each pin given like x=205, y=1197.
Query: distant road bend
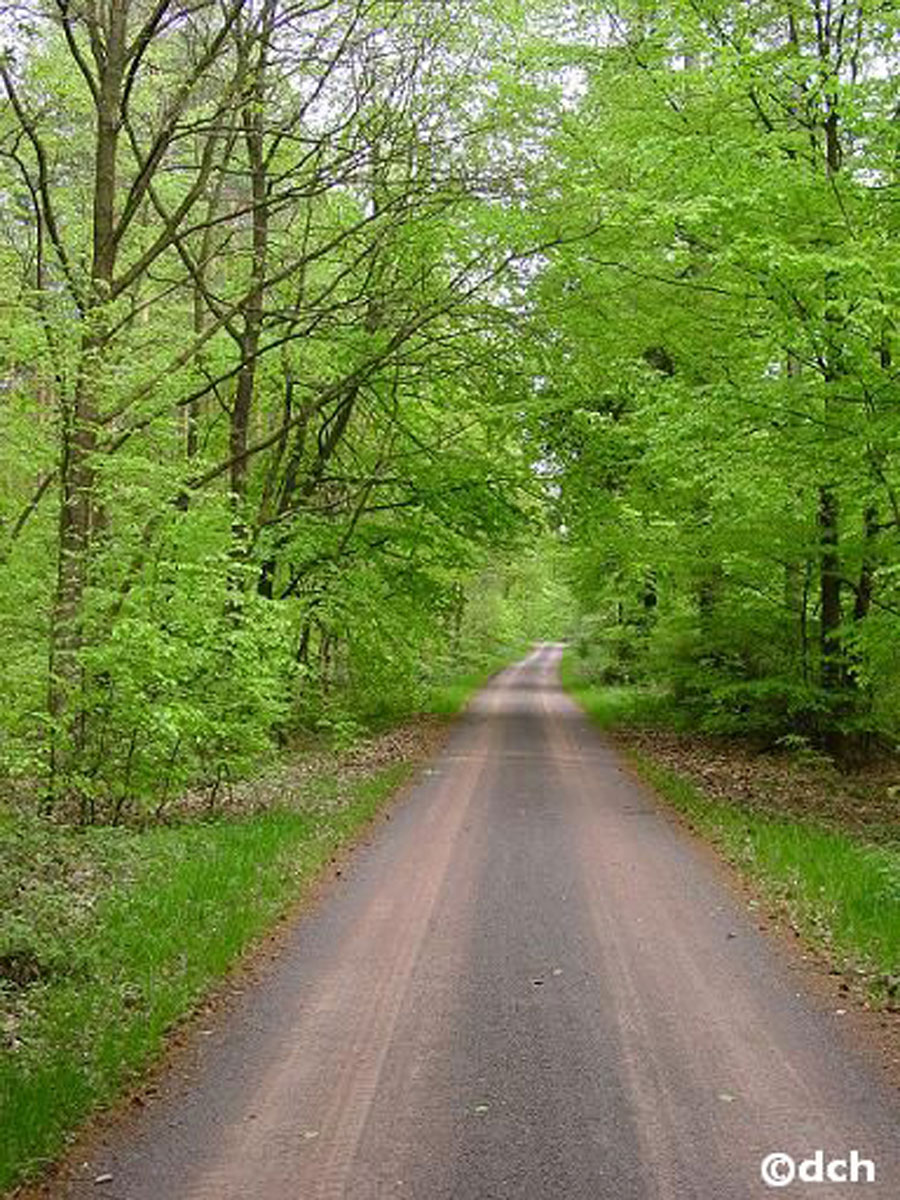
x=531, y=985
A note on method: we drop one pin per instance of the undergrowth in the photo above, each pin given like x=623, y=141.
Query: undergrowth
x=109, y=936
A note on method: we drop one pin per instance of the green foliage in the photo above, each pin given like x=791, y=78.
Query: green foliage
x=612, y=706
x=718, y=398
x=284, y=440
x=117, y=934
x=261, y=395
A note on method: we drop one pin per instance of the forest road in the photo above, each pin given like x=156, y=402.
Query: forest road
x=531, y=984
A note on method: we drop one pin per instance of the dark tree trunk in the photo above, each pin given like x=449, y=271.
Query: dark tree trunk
x=77, y=473
x=832, y=674
x=253, y=309
x=866, y=584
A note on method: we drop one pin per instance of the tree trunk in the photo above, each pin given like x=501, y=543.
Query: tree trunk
x=77, y=513
x=254, y=139
x=866, y=584
x=832, y=675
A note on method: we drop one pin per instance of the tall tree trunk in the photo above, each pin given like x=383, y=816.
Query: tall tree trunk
x=253, y=126
x=866, y=583
x=77, y=472
x=832, y=674
x=254, y=139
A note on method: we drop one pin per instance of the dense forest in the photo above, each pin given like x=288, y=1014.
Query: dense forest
x=723, y=353
x=348, y=342
x=347, y=348
x=262, y=381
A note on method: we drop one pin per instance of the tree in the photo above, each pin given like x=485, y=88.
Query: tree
x=725, y=333
x=257, y=302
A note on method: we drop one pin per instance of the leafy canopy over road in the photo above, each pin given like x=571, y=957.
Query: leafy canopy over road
x=339, y=335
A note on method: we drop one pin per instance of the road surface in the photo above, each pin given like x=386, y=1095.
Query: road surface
x=530, y=985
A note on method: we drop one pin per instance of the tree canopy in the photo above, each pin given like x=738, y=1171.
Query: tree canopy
x=340, y=335
x=726, y=344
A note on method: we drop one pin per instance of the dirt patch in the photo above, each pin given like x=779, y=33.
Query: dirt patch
x=313, y=774
x=793, y=785
x=20, y=968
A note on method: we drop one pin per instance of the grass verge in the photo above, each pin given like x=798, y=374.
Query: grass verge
x=95, y=973
x=612, y=706
x=448, y=698
x=840, y=892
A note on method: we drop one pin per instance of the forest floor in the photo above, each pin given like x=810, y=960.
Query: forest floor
x=801, y=784
x=110, y=935
x=55, y=876
x=314, y=773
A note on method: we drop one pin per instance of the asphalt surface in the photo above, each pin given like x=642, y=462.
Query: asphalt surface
x=530, y=985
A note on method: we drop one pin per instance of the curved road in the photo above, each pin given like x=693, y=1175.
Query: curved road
x=531, y=985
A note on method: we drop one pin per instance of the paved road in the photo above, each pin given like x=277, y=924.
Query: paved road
x=531, y=985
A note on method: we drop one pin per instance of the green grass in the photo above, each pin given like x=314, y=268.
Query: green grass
x=612, y=707
x=840, y=892
x=450, y=697
x=177, y=908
